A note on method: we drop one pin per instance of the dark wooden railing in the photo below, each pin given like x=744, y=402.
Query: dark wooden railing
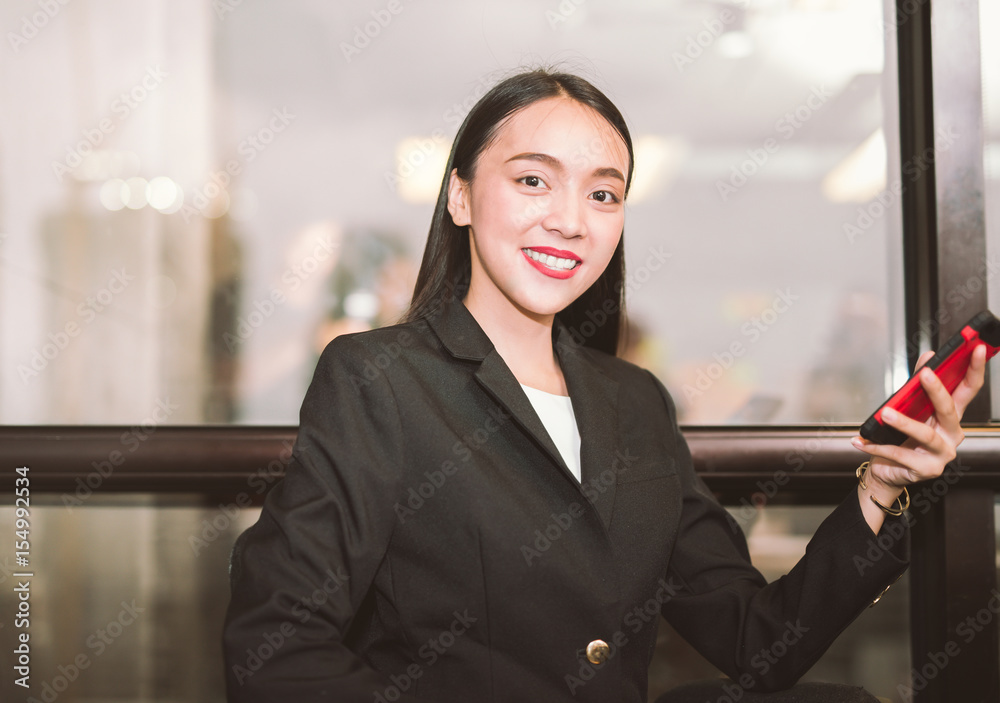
x=798, y=463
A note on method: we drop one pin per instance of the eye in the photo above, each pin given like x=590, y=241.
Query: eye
x=605, y=196
x=531, y=181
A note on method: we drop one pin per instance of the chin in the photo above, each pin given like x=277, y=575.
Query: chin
x=535, y=299
x=550, y=309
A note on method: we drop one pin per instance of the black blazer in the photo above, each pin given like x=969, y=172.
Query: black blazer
x=428, y=543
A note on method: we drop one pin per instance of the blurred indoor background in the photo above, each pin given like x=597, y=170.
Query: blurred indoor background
x=197, y=195
x=264, y=174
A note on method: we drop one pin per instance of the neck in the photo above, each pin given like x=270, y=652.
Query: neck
x=513, y=331
x=522, y=339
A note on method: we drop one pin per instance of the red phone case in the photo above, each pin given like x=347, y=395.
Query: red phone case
x=949, y=363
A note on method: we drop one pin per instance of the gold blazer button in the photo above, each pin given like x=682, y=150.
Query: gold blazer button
x=598, y=651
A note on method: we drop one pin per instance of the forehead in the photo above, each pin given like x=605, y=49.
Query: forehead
x=563, y=128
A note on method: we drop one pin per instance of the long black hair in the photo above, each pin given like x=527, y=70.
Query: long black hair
x=595, y=318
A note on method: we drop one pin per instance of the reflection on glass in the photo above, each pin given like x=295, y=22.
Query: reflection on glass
x=136, y=590
x=194, y=152
x=127, y=598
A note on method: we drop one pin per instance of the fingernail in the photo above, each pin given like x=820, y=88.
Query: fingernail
x=889, y=414
x=856, y=441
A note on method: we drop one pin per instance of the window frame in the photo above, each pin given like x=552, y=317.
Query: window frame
x=953, y=572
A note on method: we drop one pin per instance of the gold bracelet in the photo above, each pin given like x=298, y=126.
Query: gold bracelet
x=895, y=511
x=903, y=505
x=860, y=473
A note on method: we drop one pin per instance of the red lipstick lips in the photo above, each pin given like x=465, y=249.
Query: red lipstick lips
x=543, y=262
x=558, y=253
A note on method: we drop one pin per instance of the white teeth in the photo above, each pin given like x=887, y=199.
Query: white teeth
x=552, y=262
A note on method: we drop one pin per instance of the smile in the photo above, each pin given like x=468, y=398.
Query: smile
x=548, y=262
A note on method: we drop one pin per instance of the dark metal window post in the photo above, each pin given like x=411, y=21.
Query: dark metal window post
x=953, y=575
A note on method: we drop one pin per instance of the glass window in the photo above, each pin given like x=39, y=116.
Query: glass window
x=197, y=196
x=126, y=597
x=129, y=593
x=872, y=652
x=989, y=26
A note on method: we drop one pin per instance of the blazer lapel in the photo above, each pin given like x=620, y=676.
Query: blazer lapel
x=595, y=404
x=594, y=397
x=496, y=377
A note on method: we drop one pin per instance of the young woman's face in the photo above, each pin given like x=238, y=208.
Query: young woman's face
x=544, y=207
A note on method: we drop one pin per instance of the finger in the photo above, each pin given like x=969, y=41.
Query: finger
x=892, y=473
x=899, y=465
x=922, y=433
x=973, y=381
x=945, y=412
x=923, y=359
x=909, y=464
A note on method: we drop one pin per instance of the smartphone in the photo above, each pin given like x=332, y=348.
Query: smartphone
x=950, y=364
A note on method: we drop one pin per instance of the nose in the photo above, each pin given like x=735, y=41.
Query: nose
x=565, y=215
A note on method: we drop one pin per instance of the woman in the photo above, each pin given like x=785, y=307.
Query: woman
x=485, y=504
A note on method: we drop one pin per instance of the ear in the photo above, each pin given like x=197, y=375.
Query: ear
x=458, y=200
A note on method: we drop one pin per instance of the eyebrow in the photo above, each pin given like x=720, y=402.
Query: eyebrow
x=603, y=172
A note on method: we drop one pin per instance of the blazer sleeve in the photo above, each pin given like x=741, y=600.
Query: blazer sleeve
x=300, y=573
x=767, y=635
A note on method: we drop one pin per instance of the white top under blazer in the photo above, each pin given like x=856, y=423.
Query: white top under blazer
x=556, y=413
